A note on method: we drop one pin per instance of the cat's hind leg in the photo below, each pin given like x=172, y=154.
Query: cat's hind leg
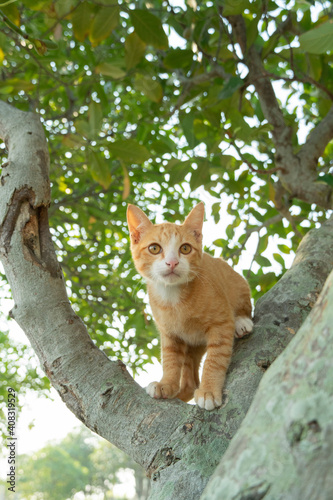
x=243, y=326
x=189, y=381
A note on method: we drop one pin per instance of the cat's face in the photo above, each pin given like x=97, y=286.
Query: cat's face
x=168, y=254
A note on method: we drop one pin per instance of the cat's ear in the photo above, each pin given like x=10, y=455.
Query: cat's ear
x=137, y=222
x=194, y=220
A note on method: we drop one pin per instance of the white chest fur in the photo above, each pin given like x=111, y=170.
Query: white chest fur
x=169, y=294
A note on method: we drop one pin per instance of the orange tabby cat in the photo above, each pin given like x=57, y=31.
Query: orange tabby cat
x=199, y=303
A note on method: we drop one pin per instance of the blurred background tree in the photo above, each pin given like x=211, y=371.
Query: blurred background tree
x=81, y=463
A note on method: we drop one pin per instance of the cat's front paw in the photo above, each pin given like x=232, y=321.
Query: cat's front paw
x=207, y=400
x=159, y=390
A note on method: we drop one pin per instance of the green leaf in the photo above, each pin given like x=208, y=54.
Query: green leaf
x=263, y=261
x=270, y=45
x=315, y=66
x=134, y=50
x=127, y=184
x=251, y=32
x=73, y=141
x=200, y=129
x=327, y=178
x=201, y=175
x=50, y=44
x=162, y=146
x=35, y=4
x=39, y=46
x=284, y=249
x=302, y=5
x=105, y=21
x=149, y=87
x=16, y=85
x=318, y=40
x=279, y=259
x=63, y=7
x=216, y=208
x=234, y=7
x=12, y=13
x=108, y=69
x=228, y=162
x=99, y=168
x=187, y=121
x=129, y=150
x=177, y=170
x=240, y=127
x=82, y=127
x=178, y=58
x=81, y=20
x=263, y=243
x=149, y=28
x=267, y=280
x=260, y=217
x=230, y=232
x=230, y=87
x=95, y=116
x=6, y=89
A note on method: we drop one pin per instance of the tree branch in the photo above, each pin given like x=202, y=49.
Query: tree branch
x=179, y=445
x=256, y=229
x=287, y=442
x=299, y=79
x=189, y=83
x=263, y=86
x=298, y=173
x=317, y=140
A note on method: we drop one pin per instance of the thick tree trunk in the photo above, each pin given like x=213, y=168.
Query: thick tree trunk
x=284, y=447
x=178, y=444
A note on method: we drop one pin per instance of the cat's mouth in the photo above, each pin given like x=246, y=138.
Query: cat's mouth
x=171, y=273
x=171, y=276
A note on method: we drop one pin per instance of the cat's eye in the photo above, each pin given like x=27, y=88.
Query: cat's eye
x=185, y=249
x=155, y=248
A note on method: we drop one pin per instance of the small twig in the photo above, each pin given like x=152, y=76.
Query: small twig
x=280, y=205
x=51, y=28
x=188, y=83
x=306, y=79
x=40, y=45
x=219, y=43
x=250, y=166
x=7, y=3
x=253, y=259
x=273, y=220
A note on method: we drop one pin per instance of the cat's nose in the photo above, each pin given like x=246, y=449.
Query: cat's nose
x=172, y=263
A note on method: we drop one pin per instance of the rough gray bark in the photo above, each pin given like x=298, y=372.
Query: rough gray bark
x=179, y=445
x=283, y=449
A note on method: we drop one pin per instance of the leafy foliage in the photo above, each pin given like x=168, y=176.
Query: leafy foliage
x=144, y=103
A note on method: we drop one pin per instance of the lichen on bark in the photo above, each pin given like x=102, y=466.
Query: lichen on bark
x=284, y=445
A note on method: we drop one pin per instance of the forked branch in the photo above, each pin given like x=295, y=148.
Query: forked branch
x=297, y=172
x=164, y=436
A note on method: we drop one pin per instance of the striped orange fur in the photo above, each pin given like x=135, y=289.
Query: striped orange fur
x=199, y=304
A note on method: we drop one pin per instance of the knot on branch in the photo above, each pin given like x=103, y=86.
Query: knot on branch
x=37, y=244
x=164, y=458
x=19, y=197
